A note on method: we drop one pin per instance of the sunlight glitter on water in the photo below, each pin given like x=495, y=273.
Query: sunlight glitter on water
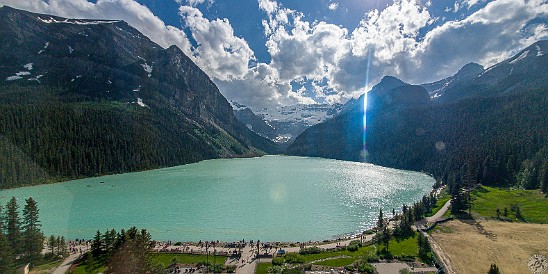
x=272, y=198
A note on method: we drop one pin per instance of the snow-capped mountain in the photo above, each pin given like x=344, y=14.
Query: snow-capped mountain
x=466, y=73
x=522, y=71
x=282, y=124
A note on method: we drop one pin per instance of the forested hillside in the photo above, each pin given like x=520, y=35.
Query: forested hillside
x=84, y=98
x=496, y=137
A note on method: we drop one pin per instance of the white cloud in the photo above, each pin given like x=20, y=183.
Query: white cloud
x=471, y=3
x=130, y=11
x=219, y=52
x=329, y=57
x=388, y=42
x=194, y=3
x=333, y=6
x=260, y=88
x=487, y=36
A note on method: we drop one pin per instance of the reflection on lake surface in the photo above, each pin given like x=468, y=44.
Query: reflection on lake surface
x=271, y=198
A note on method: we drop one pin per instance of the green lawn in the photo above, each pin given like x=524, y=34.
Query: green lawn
x=324, y=255
x=337, y=262
x=262, y=268
x=407, y=246
x=45, y=267
x=81, y=269
x=165, y=259
x=532, y=203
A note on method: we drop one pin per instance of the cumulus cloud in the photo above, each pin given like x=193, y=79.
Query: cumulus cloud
x=261, y=87
x=222, y=54
x=333, y=6
x=390, y=42
x=334, y=63
x=487, y=36
x=194, y=3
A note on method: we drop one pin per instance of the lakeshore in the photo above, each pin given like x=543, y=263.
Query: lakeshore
x=251, y=199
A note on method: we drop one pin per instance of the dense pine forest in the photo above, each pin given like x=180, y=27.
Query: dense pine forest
x=498, y=140
x=91, y=99
x=45, y=137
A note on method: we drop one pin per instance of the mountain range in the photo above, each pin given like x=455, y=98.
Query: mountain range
x=83, y=98
x=482, y=126
x=284, y=123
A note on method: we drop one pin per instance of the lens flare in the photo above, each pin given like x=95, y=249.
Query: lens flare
x=364, y=151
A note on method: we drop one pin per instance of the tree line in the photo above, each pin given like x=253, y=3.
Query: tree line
x=495, y=141
x=54, y=140
x=403, y=228
x=21, y=239
x=126, y=251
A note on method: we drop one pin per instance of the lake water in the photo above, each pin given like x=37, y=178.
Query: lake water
x=271, y=198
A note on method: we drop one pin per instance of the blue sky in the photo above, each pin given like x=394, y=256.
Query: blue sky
x=264, y=53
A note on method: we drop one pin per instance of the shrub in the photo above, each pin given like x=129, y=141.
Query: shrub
x=275, y=269
x=349, y=268
x=294, y=258
x=230, y=268
x=278, y=261
x=365, y=267
x=310, y=250
x=354, y=245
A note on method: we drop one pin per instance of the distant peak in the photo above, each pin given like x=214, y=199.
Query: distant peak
x=389, y=82
x=471, y=69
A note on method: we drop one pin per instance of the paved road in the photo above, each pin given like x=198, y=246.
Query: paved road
x=439, y=214
x=449, y=269
x=62, y=269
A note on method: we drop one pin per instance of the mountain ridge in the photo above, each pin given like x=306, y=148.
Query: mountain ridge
x=170, y=111
x=489, y=131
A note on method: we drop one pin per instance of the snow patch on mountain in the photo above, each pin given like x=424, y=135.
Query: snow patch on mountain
x=13, y=78
x=309, y=114
x=237, y=106
x=140, y=102
x=77, y=76
x=52, y=20
x=21, y=73
x=520, y=57
x=28, y=66
x=539, y=51
x=37, y=78
x=17, y=76
x=147, y=68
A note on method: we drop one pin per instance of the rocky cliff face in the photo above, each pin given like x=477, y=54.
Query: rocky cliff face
x=109, y=63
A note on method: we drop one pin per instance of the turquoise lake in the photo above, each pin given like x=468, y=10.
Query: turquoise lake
x=271, y=198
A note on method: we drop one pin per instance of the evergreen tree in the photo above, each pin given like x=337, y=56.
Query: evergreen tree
x=134, y=254
x=13, y=226
x=58, y=242
x=32, y=237
x=6, y=255
x=518, y=213
x=424, y=246
x=52, y=243
x=493, y=269
x=1, y=220
x=97, y=245
x=385, y=237
x=544, y=178
x=63, y=245
x=380, y=221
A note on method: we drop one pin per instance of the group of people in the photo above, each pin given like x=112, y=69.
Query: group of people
x=79, y=246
